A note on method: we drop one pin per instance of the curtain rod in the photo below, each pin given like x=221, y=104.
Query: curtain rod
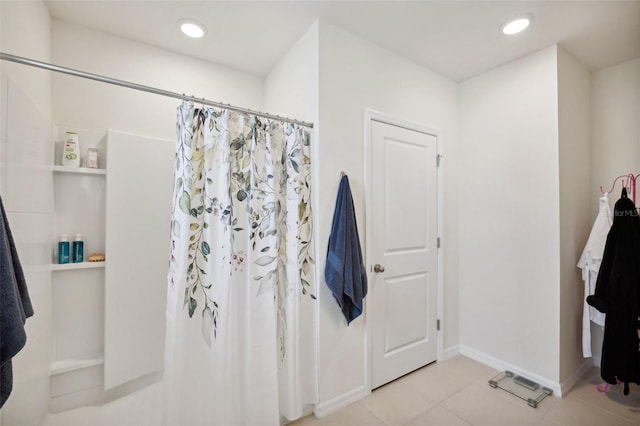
x=135, y=86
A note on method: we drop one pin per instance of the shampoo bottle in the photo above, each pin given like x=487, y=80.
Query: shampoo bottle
x=71, y=150
x=78, y=249
x=63, y=249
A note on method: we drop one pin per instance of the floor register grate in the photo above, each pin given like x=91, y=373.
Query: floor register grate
x=527, y=390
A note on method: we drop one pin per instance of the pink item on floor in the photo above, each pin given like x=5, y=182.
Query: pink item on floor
x=603, y=387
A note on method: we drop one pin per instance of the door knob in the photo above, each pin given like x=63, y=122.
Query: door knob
x=378, y=268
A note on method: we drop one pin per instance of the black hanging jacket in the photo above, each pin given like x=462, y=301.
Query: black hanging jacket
x=617, y=294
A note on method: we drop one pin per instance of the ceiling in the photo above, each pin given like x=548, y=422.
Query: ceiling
x=457, y=39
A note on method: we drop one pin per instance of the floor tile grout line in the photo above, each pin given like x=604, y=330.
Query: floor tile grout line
x=600, y=408
x=479, y=380
x=371, y=412
x=452, y=413
x=405, y=386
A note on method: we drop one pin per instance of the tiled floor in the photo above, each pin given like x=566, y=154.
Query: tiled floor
x=450, y=393
x=456, y=392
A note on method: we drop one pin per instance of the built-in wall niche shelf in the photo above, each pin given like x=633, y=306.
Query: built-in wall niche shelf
x=93, y=318
x=79, y=265
x=79, y=170
x=67, y=365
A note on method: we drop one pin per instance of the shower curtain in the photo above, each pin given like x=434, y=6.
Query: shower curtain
x=240, y=338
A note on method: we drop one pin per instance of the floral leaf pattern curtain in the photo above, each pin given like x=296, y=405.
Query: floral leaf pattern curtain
x=241, y=289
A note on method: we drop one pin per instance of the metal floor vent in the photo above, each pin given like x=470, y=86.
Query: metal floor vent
x=527, y=390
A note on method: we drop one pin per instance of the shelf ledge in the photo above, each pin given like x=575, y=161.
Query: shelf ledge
x=78, y=170
x=68, y=365
x=72, y=266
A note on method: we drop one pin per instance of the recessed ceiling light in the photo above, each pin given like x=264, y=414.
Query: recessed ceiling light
x=516, y=25
x=192, y=28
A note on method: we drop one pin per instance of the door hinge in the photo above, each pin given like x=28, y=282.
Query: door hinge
x=438, y=242
x=438, y=325
x=438, y=158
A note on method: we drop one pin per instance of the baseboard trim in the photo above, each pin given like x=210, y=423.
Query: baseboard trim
x=574, y=378
x=451, y=352
x=323, y=409
x=501, y=365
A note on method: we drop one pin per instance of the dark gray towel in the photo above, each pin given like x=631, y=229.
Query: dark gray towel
x=344, y=272
x=15, y=306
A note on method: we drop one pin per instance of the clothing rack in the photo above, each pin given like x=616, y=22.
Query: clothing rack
x=149, y=89
x=628, y=181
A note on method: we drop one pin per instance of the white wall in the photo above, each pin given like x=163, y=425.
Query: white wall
x=25, y=186
x=292, y=86
x=615, y=126
x=25, y=31
x=98, y=106
x=575, y=220
x=615, y=140
x=354, y=75
x=509, y=227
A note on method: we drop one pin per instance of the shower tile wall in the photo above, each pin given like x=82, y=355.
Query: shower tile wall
x=25, y=185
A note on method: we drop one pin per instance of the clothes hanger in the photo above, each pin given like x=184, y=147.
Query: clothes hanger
x=628, y=183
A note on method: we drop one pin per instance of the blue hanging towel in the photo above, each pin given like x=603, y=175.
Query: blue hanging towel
x=344, y=272
x=15, y=306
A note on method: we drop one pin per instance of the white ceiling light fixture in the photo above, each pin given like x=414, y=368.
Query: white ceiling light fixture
x=517, y=24
x=192, y=28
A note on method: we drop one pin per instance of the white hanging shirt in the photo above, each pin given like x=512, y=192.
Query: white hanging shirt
x=590, y=264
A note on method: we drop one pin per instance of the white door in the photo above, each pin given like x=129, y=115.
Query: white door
x=402, y=302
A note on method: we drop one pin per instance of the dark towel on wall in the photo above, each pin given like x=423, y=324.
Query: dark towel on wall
x=15, y=306
x=344, y=272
